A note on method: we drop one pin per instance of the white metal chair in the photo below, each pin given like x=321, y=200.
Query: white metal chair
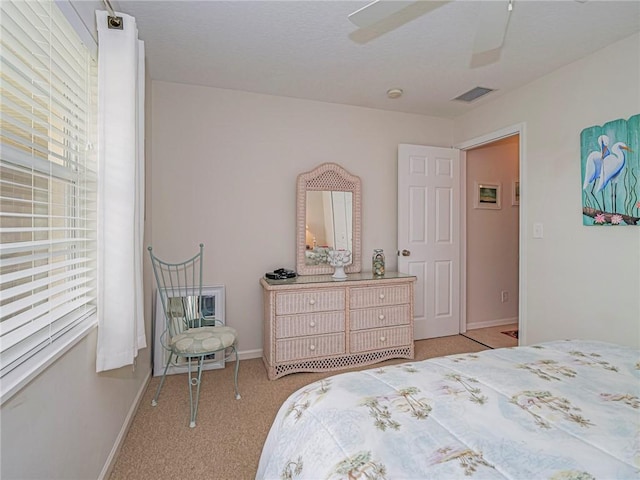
x=189, y=335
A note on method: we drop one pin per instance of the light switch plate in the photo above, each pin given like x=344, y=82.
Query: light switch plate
x=538, y=230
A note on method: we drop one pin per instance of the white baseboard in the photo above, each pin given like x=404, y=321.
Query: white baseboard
x=249, y=354
x=245, y=355
x=111, y=459
x=492, y=323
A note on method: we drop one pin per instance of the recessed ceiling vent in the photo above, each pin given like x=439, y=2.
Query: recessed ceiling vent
x=473, y=94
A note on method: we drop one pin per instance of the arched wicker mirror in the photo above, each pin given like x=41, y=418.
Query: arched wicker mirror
x=328, y=218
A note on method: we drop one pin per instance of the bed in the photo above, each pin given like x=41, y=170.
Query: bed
x=564, y=410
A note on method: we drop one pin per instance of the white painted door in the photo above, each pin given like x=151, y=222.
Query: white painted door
x=429, y=235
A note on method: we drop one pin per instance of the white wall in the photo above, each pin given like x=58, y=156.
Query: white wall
x=65, y=423
x=580, y=282
x=224, y=173
x=492, y=237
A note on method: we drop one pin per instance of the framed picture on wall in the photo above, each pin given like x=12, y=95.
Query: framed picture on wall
x=515, y=192
x=487, y=195
x=610, y=164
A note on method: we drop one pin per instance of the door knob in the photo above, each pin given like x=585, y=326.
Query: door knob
x=406, y=253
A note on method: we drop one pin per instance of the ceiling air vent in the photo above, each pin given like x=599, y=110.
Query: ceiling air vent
x=474, y=93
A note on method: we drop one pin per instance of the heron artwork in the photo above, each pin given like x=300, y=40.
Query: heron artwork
x=611, y=173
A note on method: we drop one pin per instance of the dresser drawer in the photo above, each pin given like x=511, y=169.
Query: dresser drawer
x=309, y=324
x=309, y=347
x=378, y=317
x=380, y=338
x=309, y=301
x=378, y=296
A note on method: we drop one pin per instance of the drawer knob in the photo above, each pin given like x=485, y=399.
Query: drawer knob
x=312, y=347
x=312, y=302
x=381, y=316
x=312, y=324
x=383, y=339
x=382, y=296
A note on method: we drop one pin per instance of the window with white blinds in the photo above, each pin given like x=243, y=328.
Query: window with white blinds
x=48, y=187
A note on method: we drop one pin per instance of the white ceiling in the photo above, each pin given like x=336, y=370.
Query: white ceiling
x=302, y=49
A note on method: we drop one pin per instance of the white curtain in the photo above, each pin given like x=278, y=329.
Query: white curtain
x=120, y=193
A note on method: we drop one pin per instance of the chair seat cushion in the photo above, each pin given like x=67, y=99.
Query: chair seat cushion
x=203, y=340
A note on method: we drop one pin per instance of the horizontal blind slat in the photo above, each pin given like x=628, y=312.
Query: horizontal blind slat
x=41, y=48
x=43, y=282
x=27, y=246
x=14, y=52
x=15, y=115
x=12, y=155
x=20, y=162
x=43, y=229
x=35, y=216
x=33, y=299
x=81, y=251
x=38, y=92
x=42, y=314
x=31, y=272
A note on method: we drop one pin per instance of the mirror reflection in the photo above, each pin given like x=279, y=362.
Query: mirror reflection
x=328, y=224
x=183, y=311
x=328, y=200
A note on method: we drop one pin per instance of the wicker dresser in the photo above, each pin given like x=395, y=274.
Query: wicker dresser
x=313, y=323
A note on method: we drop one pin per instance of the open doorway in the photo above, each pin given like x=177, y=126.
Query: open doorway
x=491, y=277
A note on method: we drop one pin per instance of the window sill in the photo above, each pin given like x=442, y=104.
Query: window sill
x=18, y=378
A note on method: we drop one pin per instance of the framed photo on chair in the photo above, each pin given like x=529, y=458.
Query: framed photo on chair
x=212, y=306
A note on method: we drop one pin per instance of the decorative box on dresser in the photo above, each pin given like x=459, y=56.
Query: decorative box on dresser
x=314, y=323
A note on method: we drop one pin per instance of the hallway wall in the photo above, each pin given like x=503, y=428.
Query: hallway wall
x=492, y=236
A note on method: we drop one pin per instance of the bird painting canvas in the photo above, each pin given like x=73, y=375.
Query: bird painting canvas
x=610, y=165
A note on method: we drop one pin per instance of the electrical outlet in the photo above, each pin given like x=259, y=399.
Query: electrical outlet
x=504, y=296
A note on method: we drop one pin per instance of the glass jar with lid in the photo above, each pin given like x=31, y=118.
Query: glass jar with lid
x=378, y=262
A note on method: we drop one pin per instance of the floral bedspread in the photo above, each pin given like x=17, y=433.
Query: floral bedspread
x=558, y=410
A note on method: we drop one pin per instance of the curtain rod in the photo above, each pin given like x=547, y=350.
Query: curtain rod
x=113, y=21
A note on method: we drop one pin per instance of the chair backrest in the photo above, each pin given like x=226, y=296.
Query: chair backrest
x=180, y=289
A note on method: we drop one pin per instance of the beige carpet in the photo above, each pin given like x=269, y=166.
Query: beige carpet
x=493, y=337
x=227, y=441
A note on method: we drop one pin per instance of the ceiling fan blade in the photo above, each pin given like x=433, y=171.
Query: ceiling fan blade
x=376, y=11
x=492, y=26
x=382, y=16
